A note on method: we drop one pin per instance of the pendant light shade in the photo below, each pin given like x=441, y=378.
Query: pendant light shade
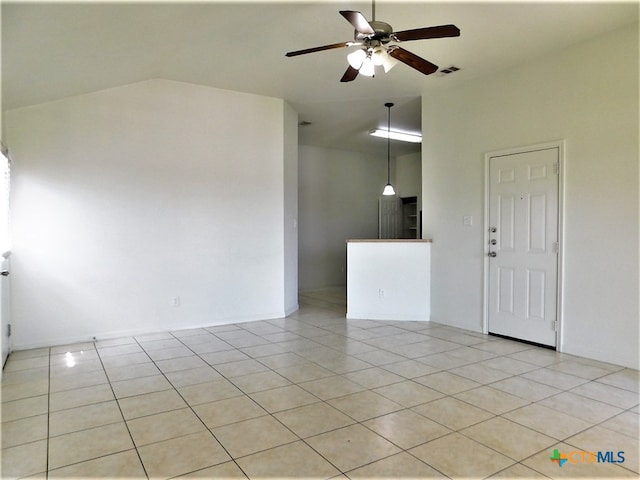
x=388, y=189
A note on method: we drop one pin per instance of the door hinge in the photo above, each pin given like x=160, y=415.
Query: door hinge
x=9, y=330
x=556, y=168
x=554, y=326
x=556, y=247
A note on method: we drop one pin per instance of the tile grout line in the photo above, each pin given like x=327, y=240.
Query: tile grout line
x=272, y=415
x=46, y=472
x=356, y=421
x=144, y=469
x=495, y=415
x=361, y=423
x=268, y=413
x=191, y=407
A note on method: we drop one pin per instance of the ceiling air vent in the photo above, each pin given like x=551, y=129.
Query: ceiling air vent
x=448, y=70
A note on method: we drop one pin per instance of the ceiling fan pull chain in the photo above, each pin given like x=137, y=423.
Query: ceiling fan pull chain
x=373, y=10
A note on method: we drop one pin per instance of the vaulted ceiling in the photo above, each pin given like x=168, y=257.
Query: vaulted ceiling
x=55, y=50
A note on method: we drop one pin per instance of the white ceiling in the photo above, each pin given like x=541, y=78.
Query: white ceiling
x=55, y=50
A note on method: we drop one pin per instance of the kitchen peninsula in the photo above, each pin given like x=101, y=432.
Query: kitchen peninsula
x=389, y=279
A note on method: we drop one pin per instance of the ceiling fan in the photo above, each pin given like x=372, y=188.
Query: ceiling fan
x=376, y=39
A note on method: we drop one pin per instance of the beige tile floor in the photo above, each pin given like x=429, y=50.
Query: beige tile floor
x=314, y=396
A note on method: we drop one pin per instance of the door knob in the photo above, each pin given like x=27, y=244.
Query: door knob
x=5, y=273
x=492, y=254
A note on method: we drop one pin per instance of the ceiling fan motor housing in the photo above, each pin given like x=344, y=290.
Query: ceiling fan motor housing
x=382, y=33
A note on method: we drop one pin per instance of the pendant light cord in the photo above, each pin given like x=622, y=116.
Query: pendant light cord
x=388, y=105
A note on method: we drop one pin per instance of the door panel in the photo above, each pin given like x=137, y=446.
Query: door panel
x=506, y=222
x=506, y=290
x=523, y=210
x=536, y=285
x=389, y=216
x=537, y=223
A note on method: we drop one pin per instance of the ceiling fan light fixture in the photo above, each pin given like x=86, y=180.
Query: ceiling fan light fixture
x=381, y=57
x=356, y=58
x=378, y=55
x=375, y=36
x=368, y=68
x=389, y=62
x=362, y=61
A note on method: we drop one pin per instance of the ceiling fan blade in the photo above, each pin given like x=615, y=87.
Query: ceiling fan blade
x=358, y=21
x=413, y=60
x=349, y=75
x=428, y=32
x=318, y=49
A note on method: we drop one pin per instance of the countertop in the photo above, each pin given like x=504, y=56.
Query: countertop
x=390, y=240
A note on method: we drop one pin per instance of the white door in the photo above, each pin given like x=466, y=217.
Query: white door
x=523, y=245
x=5, y=246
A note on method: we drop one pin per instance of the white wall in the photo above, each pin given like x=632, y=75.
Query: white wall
x=290, y=176
x=588, y=96
x=408, y=179
x=408, y=174
x=338, y=200
x=126, y=198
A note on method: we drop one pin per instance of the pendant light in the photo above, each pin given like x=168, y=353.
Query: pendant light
x=388, y=189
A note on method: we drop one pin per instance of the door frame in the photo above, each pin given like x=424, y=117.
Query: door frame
x=5, y=296
x=560, y=145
